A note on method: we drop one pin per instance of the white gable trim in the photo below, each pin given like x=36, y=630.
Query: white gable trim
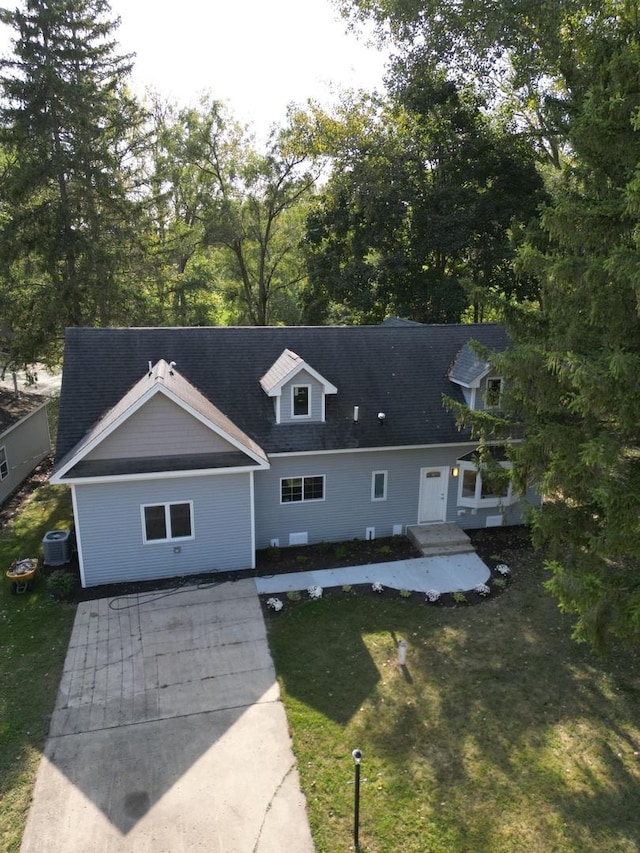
x=87, y=448
x=156, y=475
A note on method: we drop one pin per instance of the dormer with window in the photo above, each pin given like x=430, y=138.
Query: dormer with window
x=298, y=391
x=481, y=386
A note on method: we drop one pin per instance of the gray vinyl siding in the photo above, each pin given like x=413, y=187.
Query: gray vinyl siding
x=160, y=428
x=347, y=509
x=26, y=444
x=109, y=522
x=286, y=399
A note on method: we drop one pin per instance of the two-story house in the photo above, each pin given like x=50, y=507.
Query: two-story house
x=186, y=449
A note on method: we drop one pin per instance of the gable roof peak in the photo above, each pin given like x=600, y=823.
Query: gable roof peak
x=286, y=367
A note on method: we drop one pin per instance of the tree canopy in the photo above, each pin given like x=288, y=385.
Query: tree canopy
x=68, y=131
x=417, y=215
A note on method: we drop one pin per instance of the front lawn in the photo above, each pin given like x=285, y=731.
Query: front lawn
x=34, y=634
x=500, y=734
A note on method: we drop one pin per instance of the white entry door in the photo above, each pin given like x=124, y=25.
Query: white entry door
x=433, y=495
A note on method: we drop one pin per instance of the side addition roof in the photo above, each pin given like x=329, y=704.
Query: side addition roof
x=162, y=378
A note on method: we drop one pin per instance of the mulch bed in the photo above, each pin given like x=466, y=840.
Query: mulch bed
x=492, y=546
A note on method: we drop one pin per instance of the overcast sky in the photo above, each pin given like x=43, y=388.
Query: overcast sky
x=258, y=55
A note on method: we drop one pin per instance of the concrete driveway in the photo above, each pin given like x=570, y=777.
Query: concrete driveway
x=168, y=732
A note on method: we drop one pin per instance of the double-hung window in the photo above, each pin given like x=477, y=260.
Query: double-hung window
x=493, y=393
x=379, y=486
x=301, y=489
x=4, y=463
x=167, y=522
x=301, y=401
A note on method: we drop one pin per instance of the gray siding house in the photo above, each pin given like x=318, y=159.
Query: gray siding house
x=187, y=449
x=24, y=438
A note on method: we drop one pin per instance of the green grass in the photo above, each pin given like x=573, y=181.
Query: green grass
x=500, y=735
x=34, y=634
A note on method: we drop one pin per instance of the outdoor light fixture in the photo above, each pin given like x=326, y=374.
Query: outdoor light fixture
x=381, y=417
x=455, y=471
x=357, y=758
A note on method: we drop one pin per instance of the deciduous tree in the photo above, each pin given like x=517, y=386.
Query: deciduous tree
x=420, y=206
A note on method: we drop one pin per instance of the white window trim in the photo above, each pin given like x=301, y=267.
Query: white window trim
x=167, y=522
x=4, y=462
x=385, y=476
x=293, y=396
x=478, y=502
x=304, y=500
x=489, y=379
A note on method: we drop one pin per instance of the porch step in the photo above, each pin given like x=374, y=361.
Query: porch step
x=435, y=540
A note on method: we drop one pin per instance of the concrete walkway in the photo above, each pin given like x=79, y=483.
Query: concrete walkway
x=168, y=732
x=445, y=573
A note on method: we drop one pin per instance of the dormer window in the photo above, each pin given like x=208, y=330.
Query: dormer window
x=299, y=392
x=301, y=401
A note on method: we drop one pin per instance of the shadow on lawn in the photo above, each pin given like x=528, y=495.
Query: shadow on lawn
x=498, y=713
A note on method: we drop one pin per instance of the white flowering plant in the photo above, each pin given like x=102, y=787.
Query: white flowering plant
x=482, y=589
x=503, y=569
x=275, y=604
x=376, y=586
x=315, y=591
x=432, y=595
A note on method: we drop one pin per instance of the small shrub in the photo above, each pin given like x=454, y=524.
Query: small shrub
x=315, y=591
x=301, y=559
x=341, y=552
x=385, y=551
x=482, y=589
x=346, y=587
x=503, y=569
x=459, y=597
x=376, y=586
x=294, y=595
x=61, y=585
x=275, y=604
x=405, y=593
x=499, y=583
x=432, y=595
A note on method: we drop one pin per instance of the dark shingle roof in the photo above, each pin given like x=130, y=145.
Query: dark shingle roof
x=401, y=371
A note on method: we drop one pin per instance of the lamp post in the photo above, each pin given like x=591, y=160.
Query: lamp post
x=357, y=758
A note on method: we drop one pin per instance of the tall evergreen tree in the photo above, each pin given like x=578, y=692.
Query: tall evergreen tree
x=575, y=367
x=68, y=129
x=571, y=378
